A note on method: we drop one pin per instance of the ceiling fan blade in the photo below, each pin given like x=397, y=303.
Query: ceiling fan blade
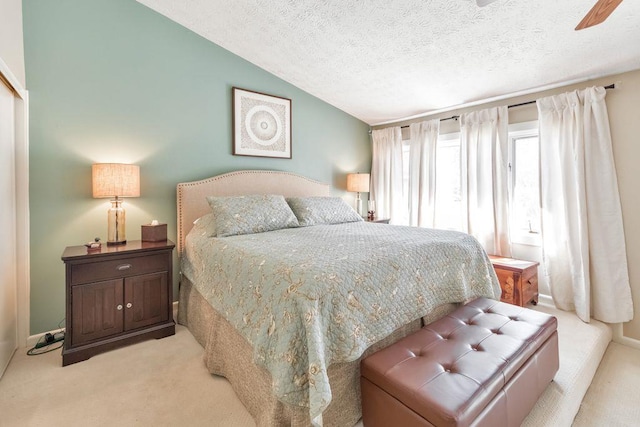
x=483, y=3
x=598, y=13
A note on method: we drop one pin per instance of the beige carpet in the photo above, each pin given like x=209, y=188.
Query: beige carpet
x=153, y=383
x=581, y=347
x=612, y=399
x=164, y=383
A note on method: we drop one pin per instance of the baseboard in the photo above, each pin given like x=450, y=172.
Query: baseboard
x=618, y=336
x=616, y=328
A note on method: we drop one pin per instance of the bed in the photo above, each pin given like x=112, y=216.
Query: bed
x=365, y=286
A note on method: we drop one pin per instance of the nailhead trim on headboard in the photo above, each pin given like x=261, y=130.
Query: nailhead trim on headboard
x=191, y=196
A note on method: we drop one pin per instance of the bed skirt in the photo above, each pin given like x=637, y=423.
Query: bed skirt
x=228, y=354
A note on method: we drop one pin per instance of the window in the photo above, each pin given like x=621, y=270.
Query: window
x=448, y=214
x=524, y=183
x=406, y=148
x=448, y=183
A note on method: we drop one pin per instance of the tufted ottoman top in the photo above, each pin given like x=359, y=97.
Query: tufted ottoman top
x=451, y=369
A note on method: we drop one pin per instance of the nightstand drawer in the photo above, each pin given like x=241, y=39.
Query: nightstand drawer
x=113, y=269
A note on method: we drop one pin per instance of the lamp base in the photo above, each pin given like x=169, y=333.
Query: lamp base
x=116, y=224
x=358, y=204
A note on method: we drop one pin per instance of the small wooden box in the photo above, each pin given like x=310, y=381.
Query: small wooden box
x=518, y=280
x=154, y=233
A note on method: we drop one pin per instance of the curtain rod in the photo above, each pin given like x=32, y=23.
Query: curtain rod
x=611, y=86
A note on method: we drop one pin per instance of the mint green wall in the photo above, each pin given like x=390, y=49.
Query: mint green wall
x=113, y=81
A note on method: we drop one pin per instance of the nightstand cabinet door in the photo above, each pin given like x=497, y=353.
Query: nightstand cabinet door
x=97, y=311
x=146, y=298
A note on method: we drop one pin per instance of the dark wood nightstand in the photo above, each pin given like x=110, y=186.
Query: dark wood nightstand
x=518, y=280
x=115, y=296
x=379, y=220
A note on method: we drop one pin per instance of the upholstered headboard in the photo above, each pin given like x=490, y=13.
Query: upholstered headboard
x=192, y=202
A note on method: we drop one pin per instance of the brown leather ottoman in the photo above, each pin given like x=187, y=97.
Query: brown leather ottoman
x=485, y=364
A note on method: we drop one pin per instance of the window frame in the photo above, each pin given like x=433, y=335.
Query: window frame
x=520, y=131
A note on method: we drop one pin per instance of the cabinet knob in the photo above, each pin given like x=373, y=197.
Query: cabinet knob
x=129, y=305
x=119, y=307
x=123, y=267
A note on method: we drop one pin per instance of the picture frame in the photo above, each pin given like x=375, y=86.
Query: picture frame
x=261, y=124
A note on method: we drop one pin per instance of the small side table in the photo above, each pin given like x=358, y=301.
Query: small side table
x=378, y=220
x=115, y=296
x=518, y=280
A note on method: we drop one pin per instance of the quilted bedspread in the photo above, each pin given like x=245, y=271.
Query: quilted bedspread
x=308, y=297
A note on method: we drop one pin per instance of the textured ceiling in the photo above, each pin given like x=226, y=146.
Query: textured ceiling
x=383, y=60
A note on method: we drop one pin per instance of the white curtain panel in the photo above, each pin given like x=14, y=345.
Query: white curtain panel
x=484, y=152
x=584, y=254
x=386, y=175
x=422, y=172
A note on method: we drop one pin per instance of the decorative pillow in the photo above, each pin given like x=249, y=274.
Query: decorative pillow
x=206, y=225
x=322, y=210
x=250, y=214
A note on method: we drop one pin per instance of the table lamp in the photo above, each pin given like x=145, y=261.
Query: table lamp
x=358, y=183
x=115, y=180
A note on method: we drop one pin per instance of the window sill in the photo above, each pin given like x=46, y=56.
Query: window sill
x=529, y=239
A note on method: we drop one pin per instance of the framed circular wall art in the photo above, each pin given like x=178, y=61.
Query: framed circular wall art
x=261, y=124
